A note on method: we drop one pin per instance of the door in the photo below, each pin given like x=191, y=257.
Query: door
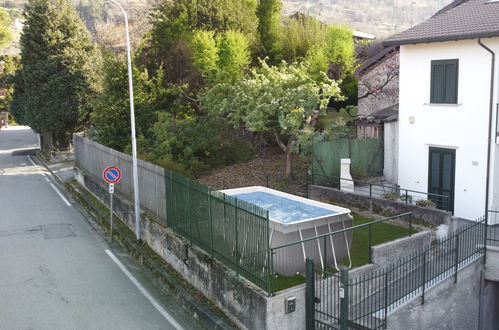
x=442, y=164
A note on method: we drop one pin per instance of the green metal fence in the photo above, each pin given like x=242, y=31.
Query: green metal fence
x=366, y=156
x=344, y=302
x=389, y=192
x=230, y=230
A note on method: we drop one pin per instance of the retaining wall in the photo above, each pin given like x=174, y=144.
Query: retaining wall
x=381, y=206
x=386, y=253
x=447, y=306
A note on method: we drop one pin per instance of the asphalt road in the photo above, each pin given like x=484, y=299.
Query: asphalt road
x=56, y=272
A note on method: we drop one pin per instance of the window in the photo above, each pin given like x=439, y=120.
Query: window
x=444, y=75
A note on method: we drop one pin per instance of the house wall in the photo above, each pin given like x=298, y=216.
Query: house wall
x=391, y=147
x=376, y=77
x=462, y=127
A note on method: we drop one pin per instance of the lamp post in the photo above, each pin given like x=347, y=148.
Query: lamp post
x=132, y=124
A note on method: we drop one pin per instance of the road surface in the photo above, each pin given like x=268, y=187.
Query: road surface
x=56, y=272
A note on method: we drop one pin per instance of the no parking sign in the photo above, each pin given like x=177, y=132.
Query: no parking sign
x=112, y=174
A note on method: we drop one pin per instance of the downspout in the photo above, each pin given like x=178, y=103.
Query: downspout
x=487, y=183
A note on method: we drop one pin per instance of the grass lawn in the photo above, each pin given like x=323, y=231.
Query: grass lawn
x=381, y=232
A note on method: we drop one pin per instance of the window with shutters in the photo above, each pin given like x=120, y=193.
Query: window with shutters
x=444, y=77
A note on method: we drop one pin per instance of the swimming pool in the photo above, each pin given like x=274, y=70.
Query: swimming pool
x=293, y=219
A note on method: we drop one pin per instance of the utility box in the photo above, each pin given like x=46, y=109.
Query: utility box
x=289, y=305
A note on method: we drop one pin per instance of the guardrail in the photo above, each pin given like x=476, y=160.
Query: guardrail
x=378, y=190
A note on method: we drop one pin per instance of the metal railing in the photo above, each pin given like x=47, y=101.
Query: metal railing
x=229, y=229
x=388, y=192
x=364, y=301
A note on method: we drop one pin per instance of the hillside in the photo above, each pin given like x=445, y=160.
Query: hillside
x=379, y=17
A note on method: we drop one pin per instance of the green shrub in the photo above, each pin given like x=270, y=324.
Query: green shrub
x=391, y=196
x=426, y=203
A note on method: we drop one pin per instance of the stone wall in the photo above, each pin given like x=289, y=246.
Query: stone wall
x=246, y=304
x=380, y=206
x=385, y=70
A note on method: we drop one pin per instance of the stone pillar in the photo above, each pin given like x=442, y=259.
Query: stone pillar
x=346, y=183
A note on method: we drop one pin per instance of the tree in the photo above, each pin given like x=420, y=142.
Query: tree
x=58, y=72
x=301, y=33
x=10, y=65
x=280, y=100
x=111, y=117
x=174, y=22
x=269, y=27
x=5, y=22
x=340, y=49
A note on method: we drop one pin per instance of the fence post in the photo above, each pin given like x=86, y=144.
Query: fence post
x=189, y=209
x=310, y=295
x=236, y=237
x=456, y=266
x=485, y=236
x=424, y=276
x=270, y=259
x=370, y=255
x=370, y=190
x=386, y=296
x=406, y=196
x=210, y=214
x=170, y=203
x=410, y=224
x=344, y=298
x=325, y=253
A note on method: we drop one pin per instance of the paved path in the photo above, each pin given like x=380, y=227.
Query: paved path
x=55, y=271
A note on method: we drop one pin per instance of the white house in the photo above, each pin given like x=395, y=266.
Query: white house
x=448, y=106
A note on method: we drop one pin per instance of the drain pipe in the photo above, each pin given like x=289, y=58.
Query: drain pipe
x=487, y=183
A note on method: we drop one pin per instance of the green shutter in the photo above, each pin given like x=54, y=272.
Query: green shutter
x=444, y=78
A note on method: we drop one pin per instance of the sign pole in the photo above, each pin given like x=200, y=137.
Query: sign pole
x=111, y=192
x=111, y=175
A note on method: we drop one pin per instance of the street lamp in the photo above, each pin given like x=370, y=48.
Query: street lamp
x=132, y=124
x=412, y=9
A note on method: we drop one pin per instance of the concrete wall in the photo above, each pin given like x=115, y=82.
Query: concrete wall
x=386, y=253
x=447, y=306
x=391, y=150
x=490, y=316
x=246, y=304
x=492, y=264
x=94, y=158
x=380, y=206
x=462, y=126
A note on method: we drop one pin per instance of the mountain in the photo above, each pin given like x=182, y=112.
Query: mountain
x=379, y=17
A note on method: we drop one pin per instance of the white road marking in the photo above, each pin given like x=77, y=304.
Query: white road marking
x=51, y=184
x=31, y=160
x=60, y=194
x=146, y=294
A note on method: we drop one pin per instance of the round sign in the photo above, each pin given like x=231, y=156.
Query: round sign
x=112, y=174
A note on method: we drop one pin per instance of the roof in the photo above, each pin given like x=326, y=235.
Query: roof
x=363, y=35
x=384, y=115
x=373, y=60
x=461, y=19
